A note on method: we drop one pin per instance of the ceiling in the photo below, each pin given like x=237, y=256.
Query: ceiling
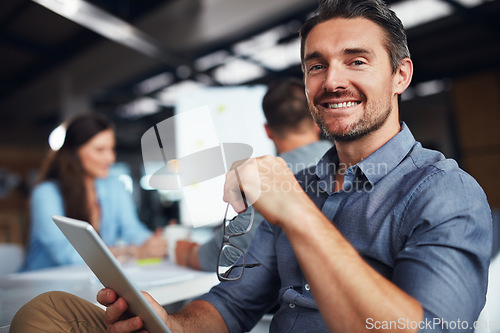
x=51, y=67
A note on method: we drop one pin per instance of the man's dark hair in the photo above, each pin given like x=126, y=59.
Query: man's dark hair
x=376, y=11
x=285, y=105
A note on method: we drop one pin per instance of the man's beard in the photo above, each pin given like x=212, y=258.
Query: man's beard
x=360, y=128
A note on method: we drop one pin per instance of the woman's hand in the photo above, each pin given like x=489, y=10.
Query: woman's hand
x=154, y=247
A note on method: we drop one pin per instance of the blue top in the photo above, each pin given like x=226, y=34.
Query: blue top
x=414, y=216
x=296, y=159
x=119, y=222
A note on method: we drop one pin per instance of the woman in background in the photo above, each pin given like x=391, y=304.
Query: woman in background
x=74, y=182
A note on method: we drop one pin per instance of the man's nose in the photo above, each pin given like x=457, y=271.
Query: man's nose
x=335, y=78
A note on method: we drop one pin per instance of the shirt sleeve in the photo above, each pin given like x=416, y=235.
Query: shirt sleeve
x=444, y=264
x=243, y=302
x=133, y=230
x=209, y=251
x=46, y=201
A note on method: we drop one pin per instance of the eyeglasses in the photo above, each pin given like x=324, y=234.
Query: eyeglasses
x=231, y=261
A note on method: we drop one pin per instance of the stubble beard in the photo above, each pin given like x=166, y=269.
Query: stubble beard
x=371, y=121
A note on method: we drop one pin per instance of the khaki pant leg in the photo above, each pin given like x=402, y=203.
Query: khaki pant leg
x=58, y=311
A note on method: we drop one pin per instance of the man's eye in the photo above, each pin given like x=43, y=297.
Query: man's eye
x=358, y=62
x=316, y=67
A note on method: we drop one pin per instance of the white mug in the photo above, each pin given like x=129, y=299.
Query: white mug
x=173, y=233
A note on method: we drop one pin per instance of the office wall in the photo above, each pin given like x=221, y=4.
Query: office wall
x=19, y=161
x=476, y=100
x=428, y=118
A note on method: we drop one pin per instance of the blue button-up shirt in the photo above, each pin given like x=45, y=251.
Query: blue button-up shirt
x=414, y=216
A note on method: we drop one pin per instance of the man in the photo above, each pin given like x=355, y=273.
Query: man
x=386, y=235
x=296, y=138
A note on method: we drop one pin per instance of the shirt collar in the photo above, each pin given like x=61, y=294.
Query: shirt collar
x=386, y=158
x=378, y=164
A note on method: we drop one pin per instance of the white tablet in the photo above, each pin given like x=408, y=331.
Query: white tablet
x=108, y=270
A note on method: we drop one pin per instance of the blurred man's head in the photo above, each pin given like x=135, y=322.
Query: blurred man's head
x=289, y=121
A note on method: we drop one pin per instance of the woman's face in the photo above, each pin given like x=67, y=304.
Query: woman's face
x=98, y=154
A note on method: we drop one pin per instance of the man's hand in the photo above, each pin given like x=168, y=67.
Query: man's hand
x=197, y=316
x=186, y=254
x=268, y=184
x=116, y=318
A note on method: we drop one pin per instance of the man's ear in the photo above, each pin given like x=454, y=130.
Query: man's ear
x=317, y=129
x=269, y=132
x=403, y=76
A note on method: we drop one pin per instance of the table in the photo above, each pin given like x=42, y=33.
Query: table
x=166, y=282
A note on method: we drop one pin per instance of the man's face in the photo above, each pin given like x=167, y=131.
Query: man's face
x=348, y=77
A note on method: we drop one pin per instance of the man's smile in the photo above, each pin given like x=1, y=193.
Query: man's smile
x=340, y=105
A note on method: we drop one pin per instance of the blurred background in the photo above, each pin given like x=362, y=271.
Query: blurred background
x=129, y=59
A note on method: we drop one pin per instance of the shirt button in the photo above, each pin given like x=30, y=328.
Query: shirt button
x=291, y=305
x=307, y=287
